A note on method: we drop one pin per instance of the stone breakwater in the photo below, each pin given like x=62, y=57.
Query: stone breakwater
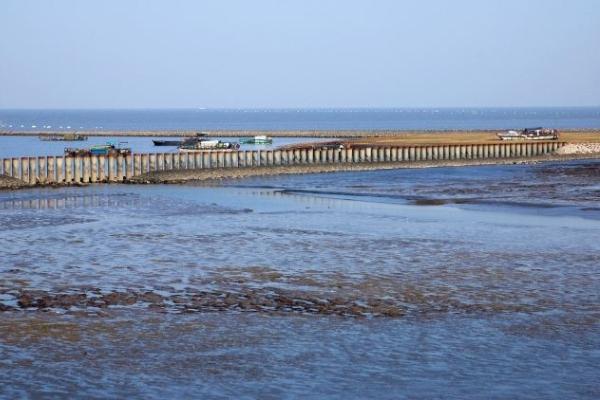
x=188, y=175
x=579, y=148
x=7, y=182
x=178, y=177
x=84, y=169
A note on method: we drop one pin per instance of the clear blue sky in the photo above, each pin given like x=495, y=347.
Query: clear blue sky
x=304, y=53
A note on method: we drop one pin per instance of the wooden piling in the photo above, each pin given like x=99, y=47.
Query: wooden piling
x=60, y=169
x=87, y=165
x=153, y=163
x=51, y=165
x=32, y=170
x=42, y=170
x=112, y=161
x=94, y=169
x=103, y=168
x=68, y=169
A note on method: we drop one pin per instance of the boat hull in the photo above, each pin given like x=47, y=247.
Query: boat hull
x=167, y=142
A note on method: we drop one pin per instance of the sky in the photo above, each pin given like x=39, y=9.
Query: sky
x=299, y=54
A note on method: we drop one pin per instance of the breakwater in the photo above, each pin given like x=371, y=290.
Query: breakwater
x=69, y=170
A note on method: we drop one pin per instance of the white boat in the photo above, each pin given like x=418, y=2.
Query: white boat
x=259, y=139
x=540, y=134
x=510, y=135
x=202, y=145
x=530, y=134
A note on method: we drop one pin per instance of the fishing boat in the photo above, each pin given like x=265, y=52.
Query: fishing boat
x=540, y=134
x=66, y=137
x=530, y=134
x=510, y=135
x=176, y=143
x=180, y=142
x=168, y=142
x=107, y=149
x=260, y=139
x=209, y=145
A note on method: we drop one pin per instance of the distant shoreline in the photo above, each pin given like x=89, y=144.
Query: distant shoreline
x=318, y=133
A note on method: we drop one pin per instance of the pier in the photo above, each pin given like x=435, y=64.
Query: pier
x=73, y=170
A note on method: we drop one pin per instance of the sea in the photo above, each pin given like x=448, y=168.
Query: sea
x=433, y=283
x=301, y=119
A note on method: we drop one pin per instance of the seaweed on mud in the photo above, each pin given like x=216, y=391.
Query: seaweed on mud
x=271, y=291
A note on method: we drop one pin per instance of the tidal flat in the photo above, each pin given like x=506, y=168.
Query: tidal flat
x=463, y=282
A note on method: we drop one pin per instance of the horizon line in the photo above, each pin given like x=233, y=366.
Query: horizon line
x=358, y=108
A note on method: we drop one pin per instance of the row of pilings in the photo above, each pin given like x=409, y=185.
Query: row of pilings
x=119, y=168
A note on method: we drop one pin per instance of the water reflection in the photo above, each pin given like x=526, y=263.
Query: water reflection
x=65, y=201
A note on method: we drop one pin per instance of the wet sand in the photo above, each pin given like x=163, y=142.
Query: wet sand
x=124, y=354
x=440, y=283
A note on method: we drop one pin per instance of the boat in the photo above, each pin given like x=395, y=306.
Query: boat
x=510, y=135
x=202, y=145
x=175, y=143
x=540, y=134
x=108, y=149
x=67, y=137
x=167, y=142
x=180, y=142
x=530, y=134
x=260, y=139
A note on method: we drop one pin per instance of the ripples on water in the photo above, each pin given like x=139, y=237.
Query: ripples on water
x=465, y=282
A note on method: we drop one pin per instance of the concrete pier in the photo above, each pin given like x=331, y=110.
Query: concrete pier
x=93, y=169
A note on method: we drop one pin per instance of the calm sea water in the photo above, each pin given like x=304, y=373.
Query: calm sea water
x=303, y=119
x=477, y=282
x=23, y=146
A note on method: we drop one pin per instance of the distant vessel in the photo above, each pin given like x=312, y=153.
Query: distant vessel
x=180, y=142
x=530, y=134
x=209, y=145
x=260, y=139
x=174, y=143
x=107, y=149
x=510, y=135
x=66, y=137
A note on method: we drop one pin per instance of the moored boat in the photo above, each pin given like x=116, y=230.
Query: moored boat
x=260, y=139
x=510, y=135
x=179, y=142
x=530, y=134
x=174, y=143
x=209, y=145
x=107, y=149
x=540, y=134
